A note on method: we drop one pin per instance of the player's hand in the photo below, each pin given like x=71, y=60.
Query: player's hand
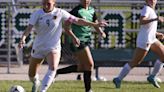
x=102, y=35
x=21, y=44
x=160, y=36
x=102, y=24
x=160, y=19
x=76, y=42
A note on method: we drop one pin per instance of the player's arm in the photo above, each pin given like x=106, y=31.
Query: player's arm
x=83, y=22
x=25, y=34
x=144, y=20
x=32, y=21
x=160, y=36
x=100, y=31
x=68, y=31
x=160, y=18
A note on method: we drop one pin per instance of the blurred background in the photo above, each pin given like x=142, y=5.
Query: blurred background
x=122, y=15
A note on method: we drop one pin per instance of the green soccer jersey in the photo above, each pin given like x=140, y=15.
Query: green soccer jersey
x=83, y=32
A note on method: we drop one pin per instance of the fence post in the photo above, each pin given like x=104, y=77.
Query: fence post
x=9, y=39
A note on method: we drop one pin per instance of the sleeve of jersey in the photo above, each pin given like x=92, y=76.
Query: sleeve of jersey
x=68, y=17
x=33, y=18
x=74, y=11
x=145, y=11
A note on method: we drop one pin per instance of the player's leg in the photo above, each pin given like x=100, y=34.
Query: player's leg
x=53, y=59
x=69, y=69
x=137, y=59
x=86, y=65
x=157, y=48
x=34, y=64
x=158, y=65
x=72, y=68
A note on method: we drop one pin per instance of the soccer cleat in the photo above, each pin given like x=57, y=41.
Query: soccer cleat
x=117, y=82
x=79, y=77
x=151, y=79
x=36, y=85
x=89, y=91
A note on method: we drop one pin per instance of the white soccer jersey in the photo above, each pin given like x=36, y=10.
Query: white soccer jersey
x=147, y=33
x=48, y=28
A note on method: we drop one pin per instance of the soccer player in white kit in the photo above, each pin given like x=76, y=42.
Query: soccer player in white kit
x=48, y=24
x=146, y=40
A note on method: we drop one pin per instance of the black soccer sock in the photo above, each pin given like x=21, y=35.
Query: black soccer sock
x=87, y=80
x=69, y=69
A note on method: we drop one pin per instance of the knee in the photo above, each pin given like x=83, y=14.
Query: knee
x=162, y=59
x=132, y=65
x=89, y=64
x=89, y=67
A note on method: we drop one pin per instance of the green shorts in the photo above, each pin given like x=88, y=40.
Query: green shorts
x=73, y=48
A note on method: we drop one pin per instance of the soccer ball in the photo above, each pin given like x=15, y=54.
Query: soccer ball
x=16, y=88
x=158, y=80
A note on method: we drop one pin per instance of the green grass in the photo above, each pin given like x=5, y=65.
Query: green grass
x=77, y=86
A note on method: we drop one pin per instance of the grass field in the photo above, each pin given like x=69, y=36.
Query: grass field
x=77, y=86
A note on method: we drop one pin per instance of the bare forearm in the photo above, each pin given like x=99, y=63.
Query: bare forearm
x=83, y=22
x=26, y=32
x=144, y=20
x=70, y=33
x=98, y=29
x=67, y=28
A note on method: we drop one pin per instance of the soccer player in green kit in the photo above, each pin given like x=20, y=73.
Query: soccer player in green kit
x=82, y=53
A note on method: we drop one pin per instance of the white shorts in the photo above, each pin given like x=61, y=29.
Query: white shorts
x=41, y=54
x=144, y=45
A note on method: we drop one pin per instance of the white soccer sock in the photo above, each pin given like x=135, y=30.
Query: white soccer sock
x=124, y=71
x=48, y=79
x=157, y=67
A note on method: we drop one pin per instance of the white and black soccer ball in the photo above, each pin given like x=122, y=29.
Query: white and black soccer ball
x=158, y=79
x=16, y=88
